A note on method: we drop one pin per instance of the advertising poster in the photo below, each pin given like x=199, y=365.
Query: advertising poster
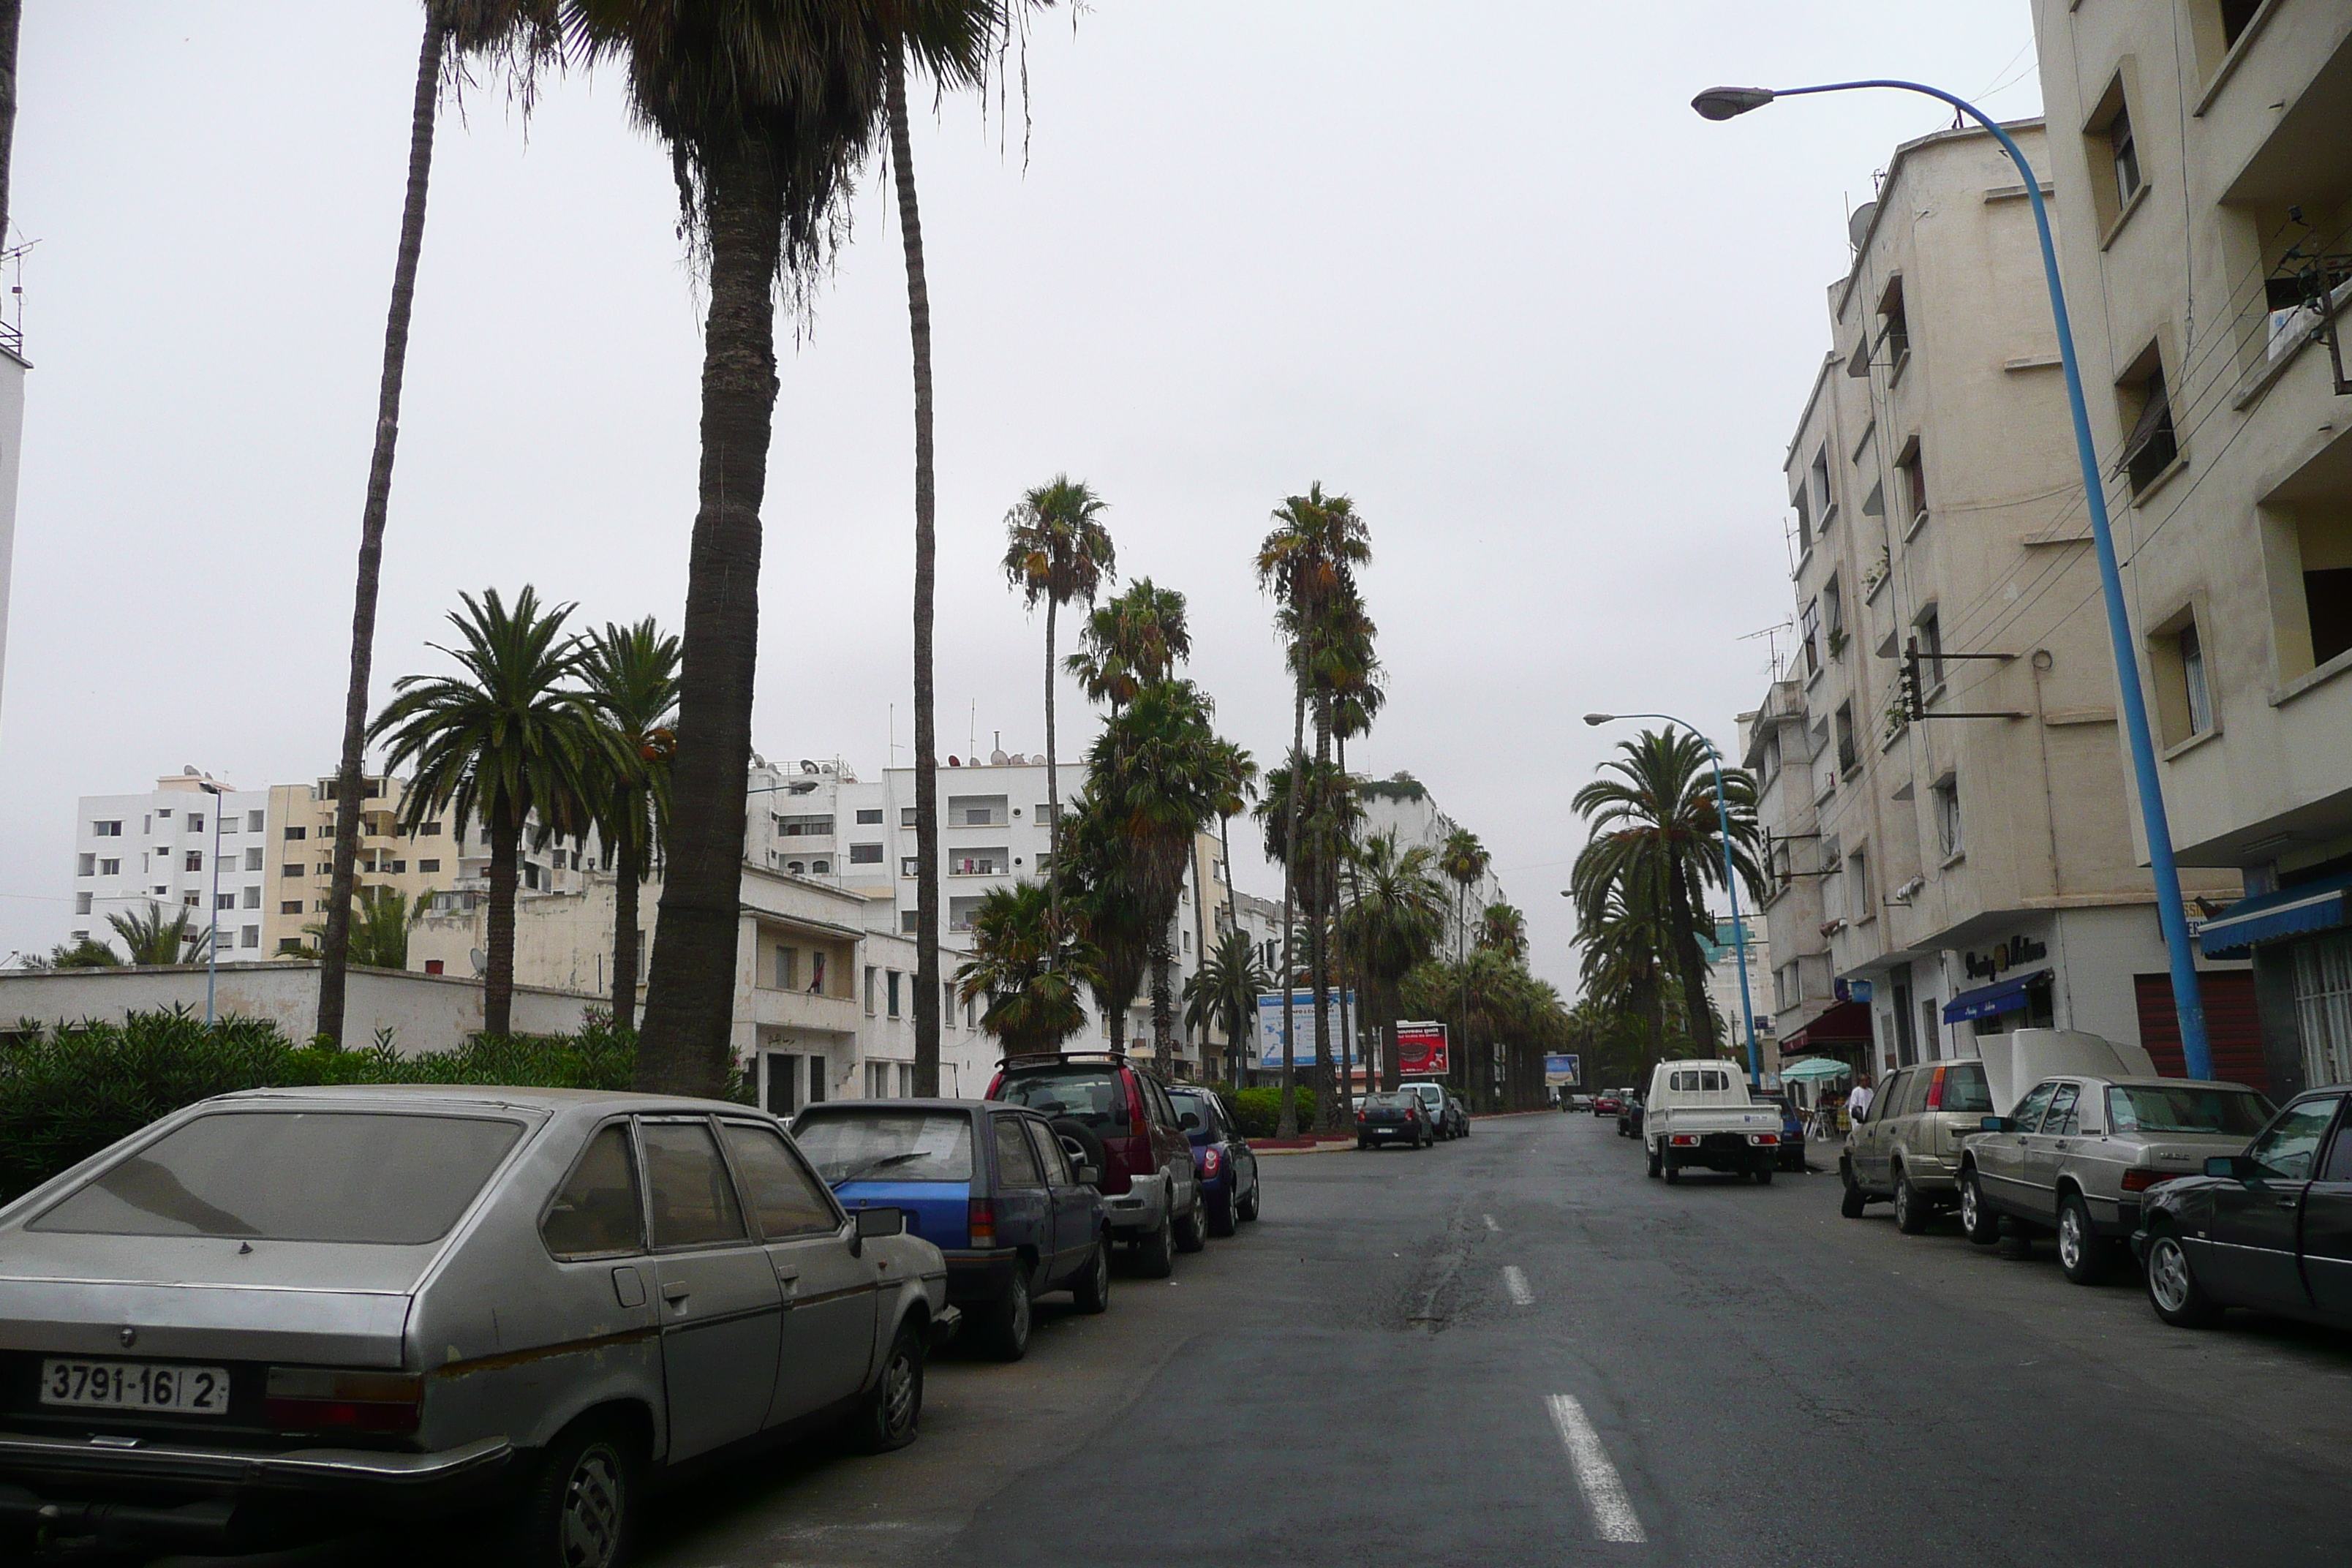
x=1563, y=1072
x=1302, y=1007
x=1421, y=1049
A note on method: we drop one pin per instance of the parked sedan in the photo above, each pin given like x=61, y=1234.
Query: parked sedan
x=988, y=1185
x=1394, y=1118
x=2268, y=1227
x=1607, y=1102
x=310, y=1310
x=2080, y=1153
x=1221, y=1157
x=1792, y=1132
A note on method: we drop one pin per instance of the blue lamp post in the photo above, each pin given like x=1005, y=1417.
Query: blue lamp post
x=1723, y=103
x=1731, y=880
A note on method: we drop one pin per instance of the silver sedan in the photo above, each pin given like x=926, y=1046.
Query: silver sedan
x=286, y=1311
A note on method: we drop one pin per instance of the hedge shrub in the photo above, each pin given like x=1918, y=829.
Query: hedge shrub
x=1261, y=1110
x=67, y=1092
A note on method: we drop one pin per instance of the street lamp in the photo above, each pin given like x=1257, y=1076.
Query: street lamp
x=1731, y=878
x=212, y=942
x=1724, y=103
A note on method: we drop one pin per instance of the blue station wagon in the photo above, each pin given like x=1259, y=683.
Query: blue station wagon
x=987, y=1184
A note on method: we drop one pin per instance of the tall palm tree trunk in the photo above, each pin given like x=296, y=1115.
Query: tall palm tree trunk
x=1200, y=940
x=334, y=945
x=628, y=864
x=690, y=999
x=1163, y=1000
x=497, y=978
x=1698, y=1007
x=1349, y=979
x=1288, y=1125
x=927, y=762
x=1054, y=790
x=1234, y=1043
x=1319, y=929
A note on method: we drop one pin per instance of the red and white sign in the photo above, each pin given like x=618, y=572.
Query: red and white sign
x=1421, y=1049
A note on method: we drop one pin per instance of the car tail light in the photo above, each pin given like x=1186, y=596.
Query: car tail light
x=1935, y=1090
x=1211, y=1159
x=1360, y=1116
x=981, y=1224
x=1684, y=1139
x=1412, y=1116
x=993, y=1085
x=1763, y=1138
x=2140, y=1181
x=309, y=1399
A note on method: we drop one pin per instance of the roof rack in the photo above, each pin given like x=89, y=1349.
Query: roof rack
x=1028, y=1056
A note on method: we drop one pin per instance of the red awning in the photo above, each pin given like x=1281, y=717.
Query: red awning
x=1847, y=1023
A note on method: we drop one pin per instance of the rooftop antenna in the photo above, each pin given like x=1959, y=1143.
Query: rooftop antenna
x=971, y=740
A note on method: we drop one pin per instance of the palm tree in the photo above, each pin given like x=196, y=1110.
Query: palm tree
x=1093, y=886
x=1465, y=860
x=86, y=953
x=631, y=680
x=505, y=740
x=1129, y=641
x=151, y=939
x=1625, y=943
x=1028, y=967
x=1504, y=929
x=1315, y=791
x=527, y=31
x=1056, y=550
x=1394, y=921
x=1223, y=991
x=767, y=110
x=379, y=929
x=1655, y=836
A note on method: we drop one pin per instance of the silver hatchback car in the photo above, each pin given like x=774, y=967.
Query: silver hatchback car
x=290, y=1311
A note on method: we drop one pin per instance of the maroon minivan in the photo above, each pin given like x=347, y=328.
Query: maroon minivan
x=1116, y=1117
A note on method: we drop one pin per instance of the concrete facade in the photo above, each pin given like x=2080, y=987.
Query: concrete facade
x=12, y=366
x=2202, y=155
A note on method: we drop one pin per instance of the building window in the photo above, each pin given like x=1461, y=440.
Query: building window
x=2113, y=150
x=326, y=869
x=224, y=901
x=111, y=829
x=2152, y=446
x=795, y=866
x=804, y=826
x=2317, y=579
x=906, y=1080
x=821, y=868
x=1848, y=758
x=252, y=897
x=2322, y=1006
x=81, y=903
x=196, y=860
x=2194, y=690
x=878, y=1080
x=292, y=944
x=1894, y=332
x=787, y=968
x=1857, y=885
x=870, y=980
x=1911, y=482
x=290, y=907
x=865, y=854
x=253, y=859
x=109, y=868
x=86, y=866
x=1044, y=815
x=296, y=835
x=894, y=993
x=1812, y=632
x=948, y=1003
x=2123, y=150
x=289, y=871
x=255, y=821
x=249, y=936
x=870, y=817
x=1803, y=509
x=1824, y=507
x=428, y=867
x=1948, y=816
x=163, y=814
x=434, y=967
x=1930, y=640
x=977, y=863
x=909, y=918
x=195, y=820
x=1785, y=990
x=1833, y=603
x=906, y=816
x=228, y=822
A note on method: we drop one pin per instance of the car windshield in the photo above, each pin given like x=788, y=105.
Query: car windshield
x=887, y=1145
x=1391, y=1101
x=295, y=1175
x=1428, y=1093
x=1966, y=1090
x=1093, y=1095
x=1193, y=1105
x=2239, y=1112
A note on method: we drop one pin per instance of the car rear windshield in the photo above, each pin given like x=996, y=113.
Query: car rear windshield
x=1965, y=1089
x=1093, y=1095
x=887, y=1145
x=295, y=1175
x=1400, y=1102
x=1196, y=1104
x=1428, y=1093
x=2239, y=1112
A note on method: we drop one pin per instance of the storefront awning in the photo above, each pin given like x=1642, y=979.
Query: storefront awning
x=2322, y=905
x=1846, y=1024
x=2004, y=996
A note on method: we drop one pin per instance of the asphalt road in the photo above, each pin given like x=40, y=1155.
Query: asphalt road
x=1517, y=1350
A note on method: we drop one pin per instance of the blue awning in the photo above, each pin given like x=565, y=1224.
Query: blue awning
x=2291, y=911
x=2007, y=996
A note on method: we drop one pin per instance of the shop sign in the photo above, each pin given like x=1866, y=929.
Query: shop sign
x=2004, y=956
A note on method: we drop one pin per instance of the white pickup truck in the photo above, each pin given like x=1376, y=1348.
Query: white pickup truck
x=1700, y=1113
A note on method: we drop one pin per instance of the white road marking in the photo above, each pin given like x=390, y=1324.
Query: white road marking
x=1613, y=1517
x=1490, y=1222
x=1522, y=1293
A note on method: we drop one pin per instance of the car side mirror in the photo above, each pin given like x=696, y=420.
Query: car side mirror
x=1192, y=1119
x=1999, y=1124
x=873, y=1223
x=1088, y=1176
x=2232, y=1167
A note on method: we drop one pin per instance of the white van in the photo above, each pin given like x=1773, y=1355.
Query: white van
x=1699, y=1112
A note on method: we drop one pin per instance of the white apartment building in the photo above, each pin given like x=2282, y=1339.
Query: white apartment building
x=1402, y=804
x=2202, y=155
x=12, y=366
x=191, y=843
x=1958, y=861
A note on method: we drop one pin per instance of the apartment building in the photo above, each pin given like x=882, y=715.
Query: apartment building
x=2202, y=155
x=1939, y=763
x=1404, y=806
x=12, y=366
x=191, y=843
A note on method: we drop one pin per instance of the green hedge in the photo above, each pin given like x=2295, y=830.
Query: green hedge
x=67, y=1092
x=1261, y=1110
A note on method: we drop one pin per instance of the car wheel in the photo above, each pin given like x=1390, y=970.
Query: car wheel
x=1192, y=1229
x=2172, y=1287
x=1363, y=1142
x=1654, y=1162
x=1155, y=1254
x=1910, y=1213
x=2081, y=1251
x=1763, y=1174
x=1674, y=1173
x=1092, y=1292
x=1247, y=1209
x=1006, y=1335
x=579, y=1507
x=1221, y=1215
x=1977, y=1217
x=893, y=1409
x=1853, y=1200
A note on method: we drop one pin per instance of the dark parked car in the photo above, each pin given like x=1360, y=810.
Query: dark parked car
x=2270, y=1228
x=1629, y=1117
x=1116, y=1117
x=1792, y=1132
x=1398, y=1118
x=989, y=1185
x=1221, y=1157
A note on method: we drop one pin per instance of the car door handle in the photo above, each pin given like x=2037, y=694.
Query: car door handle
x=2287, y=1203
x=676, y=1292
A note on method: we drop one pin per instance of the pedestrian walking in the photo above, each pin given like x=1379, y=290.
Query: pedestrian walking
x=1857, y=1100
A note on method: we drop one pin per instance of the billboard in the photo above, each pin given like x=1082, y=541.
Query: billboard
x=1563, y=1072
x=1302, y=1007
x=1421, y=1048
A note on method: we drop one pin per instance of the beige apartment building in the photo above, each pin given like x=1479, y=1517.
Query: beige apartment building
x=1939, y=761
x=2202, y=154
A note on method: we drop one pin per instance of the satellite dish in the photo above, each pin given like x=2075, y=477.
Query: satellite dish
x=953, y=762
x=807, y=766
x=478, y=958
x=1858, y=222
x=997, y=759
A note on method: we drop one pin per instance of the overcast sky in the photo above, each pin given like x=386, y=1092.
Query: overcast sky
x=1497, y=282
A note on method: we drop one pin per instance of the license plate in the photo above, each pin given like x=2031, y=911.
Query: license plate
x=135, y=1385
